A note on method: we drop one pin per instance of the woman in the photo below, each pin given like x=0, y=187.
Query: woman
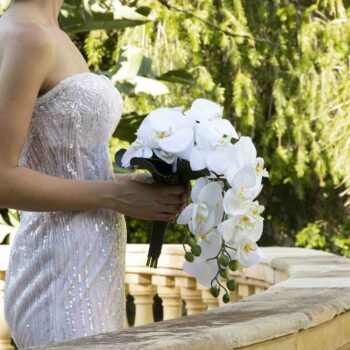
x=65, y=277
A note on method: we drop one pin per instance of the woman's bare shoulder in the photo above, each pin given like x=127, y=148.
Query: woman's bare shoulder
x=26, y=38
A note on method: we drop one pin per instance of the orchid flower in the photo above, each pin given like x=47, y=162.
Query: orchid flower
x=241, y=233
x=213, y=140
x=206, y=211
x=204, y=110
x=210, y=244
x=203, y=270
x=166, y=132
x=242, y=154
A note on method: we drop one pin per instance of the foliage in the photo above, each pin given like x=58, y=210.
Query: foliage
x=281, y=70
x=318, y=236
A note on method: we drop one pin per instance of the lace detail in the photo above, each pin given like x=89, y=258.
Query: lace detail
x=65, y=277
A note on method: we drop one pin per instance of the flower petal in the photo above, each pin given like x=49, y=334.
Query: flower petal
x=211, y=245
x=244, y=177
x=203, y=109
x=197, y=188
x=224, y=127
x=135, y=152
x=162, y=119
x=186, y=153
x=177, y=142
x=256, y=232
x=233, y=205
x=227, y=229
x=217, y=161
x=245, y=151
x=204, y=271
x=211, y=194
x=167, y=157
x=197, y=159
x=185, y=216
x=252, y=258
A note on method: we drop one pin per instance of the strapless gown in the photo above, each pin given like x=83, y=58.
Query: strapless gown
x=65, y=276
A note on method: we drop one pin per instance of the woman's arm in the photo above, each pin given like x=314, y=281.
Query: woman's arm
x=29, y=59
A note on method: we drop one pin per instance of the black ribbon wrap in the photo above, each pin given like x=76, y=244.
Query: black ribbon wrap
x=163, y=174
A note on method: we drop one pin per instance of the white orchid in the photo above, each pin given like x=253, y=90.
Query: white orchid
x=260, y=168
x=213, y=141
x=242, y=154
x=165, y=132
x=210, y=244
x=242, y=232
x=203, y=109
x=206, y=211
x=204, y=271
x=245, y=187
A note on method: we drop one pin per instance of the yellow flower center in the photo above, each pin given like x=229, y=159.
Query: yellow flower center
x=248, y=247
x=245, y=219
x=162, y=134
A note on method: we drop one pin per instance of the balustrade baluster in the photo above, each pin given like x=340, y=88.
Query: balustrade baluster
x=143, y=291
x=170, y=295
x=209, y=300
x=191, y=295
x=245, y=290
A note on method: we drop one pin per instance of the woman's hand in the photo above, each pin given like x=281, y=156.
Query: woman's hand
x=137, y=195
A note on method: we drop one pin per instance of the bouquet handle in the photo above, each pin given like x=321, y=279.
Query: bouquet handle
x=156, y=242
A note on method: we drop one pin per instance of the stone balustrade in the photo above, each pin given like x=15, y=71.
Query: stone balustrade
x=174, y=286
x=294, y=299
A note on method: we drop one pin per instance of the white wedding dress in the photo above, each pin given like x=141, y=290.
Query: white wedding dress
x=65, y=277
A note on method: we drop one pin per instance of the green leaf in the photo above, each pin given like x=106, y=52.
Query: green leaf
x=177, y=76
x=127, y=127
x=143, y=10
x=5, y=215
x=76, y=19
x=186, y=173
x=118, y=157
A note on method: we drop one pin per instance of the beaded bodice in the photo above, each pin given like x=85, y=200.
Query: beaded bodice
x=71, y=126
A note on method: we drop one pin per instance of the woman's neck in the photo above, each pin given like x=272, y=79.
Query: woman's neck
x=45, y=11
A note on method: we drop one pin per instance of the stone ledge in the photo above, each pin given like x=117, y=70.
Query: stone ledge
x=301, y=311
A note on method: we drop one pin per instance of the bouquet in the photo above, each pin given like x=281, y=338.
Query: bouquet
x=224, y=219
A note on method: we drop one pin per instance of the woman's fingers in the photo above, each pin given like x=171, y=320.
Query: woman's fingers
x=165, y=217
x=171, y=208
x=176, y=190
x=176, y=200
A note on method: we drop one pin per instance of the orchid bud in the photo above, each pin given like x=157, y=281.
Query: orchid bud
x=191, y=241
x=214, y=291
x=196, y=250
x=231, y=285
x=225, y=298
x=223, y=273
x=224, y=260
x=233, y=265
x=189, y=256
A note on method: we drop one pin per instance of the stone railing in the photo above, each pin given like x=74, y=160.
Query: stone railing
x=174, y=286
x=294, y=299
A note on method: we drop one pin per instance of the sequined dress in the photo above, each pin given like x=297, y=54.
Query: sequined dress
x=65, y=277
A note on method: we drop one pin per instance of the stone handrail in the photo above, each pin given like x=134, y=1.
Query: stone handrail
x=294, y=299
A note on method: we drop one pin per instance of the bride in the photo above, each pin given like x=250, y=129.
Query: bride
x=65, y=277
